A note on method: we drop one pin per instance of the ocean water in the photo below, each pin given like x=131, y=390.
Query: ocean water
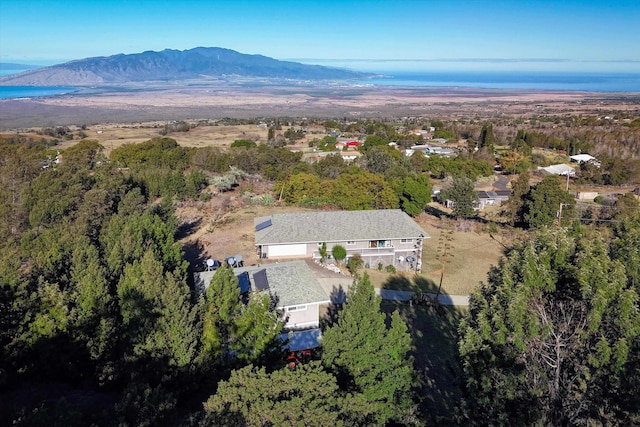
x=13, y=92
x=549, y=81
x=553, y=81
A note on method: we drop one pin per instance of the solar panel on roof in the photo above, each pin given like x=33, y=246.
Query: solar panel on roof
x=263, y=225
x=243, y=282
x=260, y=279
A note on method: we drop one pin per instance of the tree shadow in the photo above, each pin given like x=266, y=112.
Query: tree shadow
x=338, y=296
x=188, y=228
x=196, y=257
x=433, y=210
x=434, y=332
x=425, y=284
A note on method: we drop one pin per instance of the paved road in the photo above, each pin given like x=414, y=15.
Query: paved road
x=502, y=183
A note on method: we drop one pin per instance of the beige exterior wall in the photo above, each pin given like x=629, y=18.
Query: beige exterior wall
x=302, y=318
x=387, y=252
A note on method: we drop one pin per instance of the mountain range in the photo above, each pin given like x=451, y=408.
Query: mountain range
x=201, y=63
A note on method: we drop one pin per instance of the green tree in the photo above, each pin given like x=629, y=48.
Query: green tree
x=378, y=159
x=339, y=253
x=445, y=134
x=157, y=312
x=369, y=358
x=487, y=138
x=463, y=195
x=330, y=166
x=223, y=305
x=300, y=188
x=415, y=194
x=514, y=207
x=256, y=330
x=542, y=203
x=246, y=143
x=374, y=141
x=513, y=161
x=549, y=334
x=306, y=395
x=626, y=206
x=363, y=190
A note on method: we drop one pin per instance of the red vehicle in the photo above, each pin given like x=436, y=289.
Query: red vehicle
x=296, y=357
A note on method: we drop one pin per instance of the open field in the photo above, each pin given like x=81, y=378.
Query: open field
x=145, y=103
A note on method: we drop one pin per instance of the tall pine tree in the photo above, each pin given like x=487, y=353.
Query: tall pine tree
x=370, y=359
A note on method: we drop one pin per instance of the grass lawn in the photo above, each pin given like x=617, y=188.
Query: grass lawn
x=434, y=331
x=468, y=262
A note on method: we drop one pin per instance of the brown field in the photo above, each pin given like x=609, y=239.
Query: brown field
x=144, y=103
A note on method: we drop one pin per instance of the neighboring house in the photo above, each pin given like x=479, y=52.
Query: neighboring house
x=585, y=158
x=586, y=195
x=492, y=198
x=581, y=158
x=349, y=145
x=350, y=156
x=298, y=292
x=386, y=236
x=429, y=150
x=425, y=134
x=353, y=144
x=560, y=169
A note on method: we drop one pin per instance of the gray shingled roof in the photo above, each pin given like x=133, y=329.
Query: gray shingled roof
x=293, y=282
x=335, y=226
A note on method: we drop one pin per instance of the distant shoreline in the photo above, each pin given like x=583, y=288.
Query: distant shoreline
x=137, y=103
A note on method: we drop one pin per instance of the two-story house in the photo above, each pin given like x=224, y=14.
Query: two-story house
x=383, y=236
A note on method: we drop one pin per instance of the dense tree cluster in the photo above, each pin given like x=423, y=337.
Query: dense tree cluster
x=553, y=337
x=95, y=295
x=100, y=324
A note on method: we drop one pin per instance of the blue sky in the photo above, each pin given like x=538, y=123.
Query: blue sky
x=412, y=34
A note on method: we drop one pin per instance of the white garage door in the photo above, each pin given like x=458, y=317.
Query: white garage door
x=287, y=250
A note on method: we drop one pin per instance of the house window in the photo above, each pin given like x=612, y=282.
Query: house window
x=297, y=308
x=380, y=244
x=351, y=242
x=406, y=240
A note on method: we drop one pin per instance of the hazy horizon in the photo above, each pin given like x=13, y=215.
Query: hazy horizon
x=379, y=65
x=575, y=35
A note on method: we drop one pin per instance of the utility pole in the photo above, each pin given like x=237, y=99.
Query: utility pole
x=560, y=215
x=445, y=246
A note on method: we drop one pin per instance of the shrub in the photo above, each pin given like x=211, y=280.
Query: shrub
x=323, y=251
x=339, y=253
x=354, y=263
